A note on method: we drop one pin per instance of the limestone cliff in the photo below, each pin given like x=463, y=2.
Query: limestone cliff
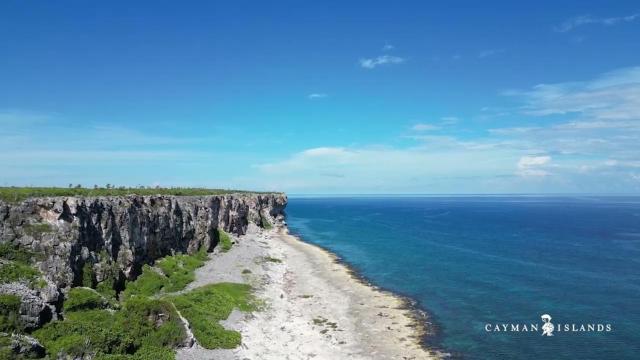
x=111, y=238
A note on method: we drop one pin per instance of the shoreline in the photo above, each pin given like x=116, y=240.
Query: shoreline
x=315, y=305
x=428, y=327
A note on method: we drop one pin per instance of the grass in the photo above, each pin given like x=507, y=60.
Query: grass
x=17, y=194
x=204, y=307
x=225, y=240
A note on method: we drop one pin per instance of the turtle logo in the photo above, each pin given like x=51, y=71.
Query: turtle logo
x=548, y=327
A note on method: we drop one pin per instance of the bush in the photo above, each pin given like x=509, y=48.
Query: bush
x=225, y=240
x=15, y=271
x=12, y=252
x=147, y=284
x=177, y=272
x=204, y=307
x=88, y=275
x=143, y=325
x=10, y=314
x=84, y=299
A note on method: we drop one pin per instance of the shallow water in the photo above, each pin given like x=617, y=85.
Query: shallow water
x=473, y=261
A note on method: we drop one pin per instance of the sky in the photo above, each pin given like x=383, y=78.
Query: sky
x=331, y=97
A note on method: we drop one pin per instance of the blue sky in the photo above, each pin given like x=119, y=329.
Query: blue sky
x=323, y=97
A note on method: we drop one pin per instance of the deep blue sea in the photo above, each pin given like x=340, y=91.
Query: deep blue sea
x=473, y=261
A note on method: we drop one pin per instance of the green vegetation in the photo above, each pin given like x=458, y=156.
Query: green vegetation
x=10, y=313
x=17, y=194
x=37, y=229
x=84, y=299
x=15, y=271
x=88, y=275
x=144, y=327
x=12, y=252
x=179, y=269
x=204, y=307
x=265, y=224
x=149, y=283
x=225, y=240
x=246, y=271
x=271, y=259
x=175, y=273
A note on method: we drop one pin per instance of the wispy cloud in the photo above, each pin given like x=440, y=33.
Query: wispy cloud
x=371, y=63
x=424, y=127
x=489, y=52
x=388, y=47
x=315, y=96
x=529, y=166
x=582, y=20
x=613, y=98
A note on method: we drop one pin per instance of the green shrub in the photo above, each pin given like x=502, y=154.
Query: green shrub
x=143, y=325
x=266, y=224
x=177, y=272
x=147, y=284
x=88, y=275
x=37, y=229
x=12, y=252
x=180, y=269
x=105, y=289
x=153, y=323
x=10, y=314
x=225, y=240
x=271, y=259
x=15, y=271
x=84, y=299
x=83, y=333
x=204, y=307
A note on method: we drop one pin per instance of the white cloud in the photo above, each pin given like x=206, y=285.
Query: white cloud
x=489, y=52
x=387, y=169
x=317, y=96
x=380, y=60
x=529, y=166
x=424, y=127
x=449, y=120
x=581, y=20
x=388, y=47
x=613, y=97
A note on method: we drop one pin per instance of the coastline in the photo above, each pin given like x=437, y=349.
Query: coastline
x=315, y=306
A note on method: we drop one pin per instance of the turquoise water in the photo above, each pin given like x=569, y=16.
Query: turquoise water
x=472, y=261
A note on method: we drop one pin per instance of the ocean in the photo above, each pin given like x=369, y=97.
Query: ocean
x=474, y=263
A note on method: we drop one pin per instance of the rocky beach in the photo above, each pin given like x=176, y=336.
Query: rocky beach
x=314, y=308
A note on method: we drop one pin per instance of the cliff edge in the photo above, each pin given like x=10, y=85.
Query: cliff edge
x=107, y=240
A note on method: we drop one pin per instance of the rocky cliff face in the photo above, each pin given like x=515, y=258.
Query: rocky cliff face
x=109, y=239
